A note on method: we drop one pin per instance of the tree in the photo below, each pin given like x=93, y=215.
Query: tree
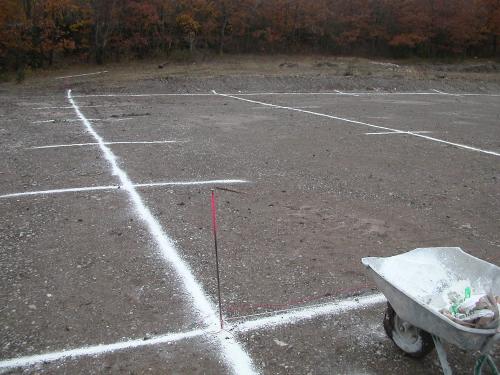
x=15, y=43
x=488, y=11
x=37, y=32
x=104, y=17
x=189, y=27
x=52, y=24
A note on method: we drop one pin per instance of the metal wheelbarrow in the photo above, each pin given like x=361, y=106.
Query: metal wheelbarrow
x=411, y=282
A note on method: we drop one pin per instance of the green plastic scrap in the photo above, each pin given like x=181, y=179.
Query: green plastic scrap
x=467, y=292
x=457, y=301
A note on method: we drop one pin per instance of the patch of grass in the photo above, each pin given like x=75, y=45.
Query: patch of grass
x=182, y=55
x=20, y=75
x=349, y=71
x=5, y=76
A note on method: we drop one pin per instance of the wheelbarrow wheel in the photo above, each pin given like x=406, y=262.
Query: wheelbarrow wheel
x=414, y=341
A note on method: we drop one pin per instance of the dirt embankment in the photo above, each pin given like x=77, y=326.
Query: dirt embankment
x=275, y=73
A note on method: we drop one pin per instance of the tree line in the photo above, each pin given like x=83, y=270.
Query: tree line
x=36, y=33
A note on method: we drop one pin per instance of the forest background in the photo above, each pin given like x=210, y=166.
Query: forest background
x=38, y=33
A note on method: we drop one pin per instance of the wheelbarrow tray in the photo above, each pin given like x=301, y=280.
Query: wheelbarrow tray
x=410, y=306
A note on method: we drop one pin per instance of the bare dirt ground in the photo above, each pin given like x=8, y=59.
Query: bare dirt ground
x=81, y=268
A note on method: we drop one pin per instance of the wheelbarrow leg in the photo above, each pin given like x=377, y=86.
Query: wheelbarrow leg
x=485, y=358
x=442, y=356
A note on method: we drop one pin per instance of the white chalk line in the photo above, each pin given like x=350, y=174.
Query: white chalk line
x=295, y=315
x=353, y=93
x=193, y=183
x=445, y=93
x=385, y=64
x=345, y=93
x=90, y=119
x=231, y=351
x=106, y=143
x=117, y=187
x=60, y=191
x=376, y=93
x=337, y=92
x=459, y=145
x=82, y=75
x=85, y=106
x=401, y=133
x=113, y=119
x=237, y=325
x=42, y=121
x=140, y=95
x=96, y=350
x=304, y=107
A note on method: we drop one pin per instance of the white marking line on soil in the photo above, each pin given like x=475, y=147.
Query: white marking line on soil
x=117, y=187
x=355, y=93
x=304, y=107
x=459, y=145
x=269, y=321
x=82, y=106
x=408, y=132
x=90, y=119
x=109, y=119
x=308, y=312
x=289, y=93
x=42, y=121
x=445, y=93
x=374, y=93
x=384, y=64
x=232, y=352
x=98, y=349
x=82, y=75
x=140, y=95
x=59, y=191
x=192, y=183
x=106, y=143
x=345, y=93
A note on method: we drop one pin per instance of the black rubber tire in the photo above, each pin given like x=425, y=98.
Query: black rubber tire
x=420, y=349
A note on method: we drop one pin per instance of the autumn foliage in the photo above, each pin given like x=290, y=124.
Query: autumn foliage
x=37, y=32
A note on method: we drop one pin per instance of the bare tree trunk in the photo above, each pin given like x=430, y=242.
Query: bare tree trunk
x=191, y=39
x=162, y=29
x=97, y=43
x=104, y=10
x=222, y=34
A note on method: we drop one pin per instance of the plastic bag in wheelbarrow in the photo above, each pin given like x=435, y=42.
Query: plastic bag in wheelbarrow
x=475, y=311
